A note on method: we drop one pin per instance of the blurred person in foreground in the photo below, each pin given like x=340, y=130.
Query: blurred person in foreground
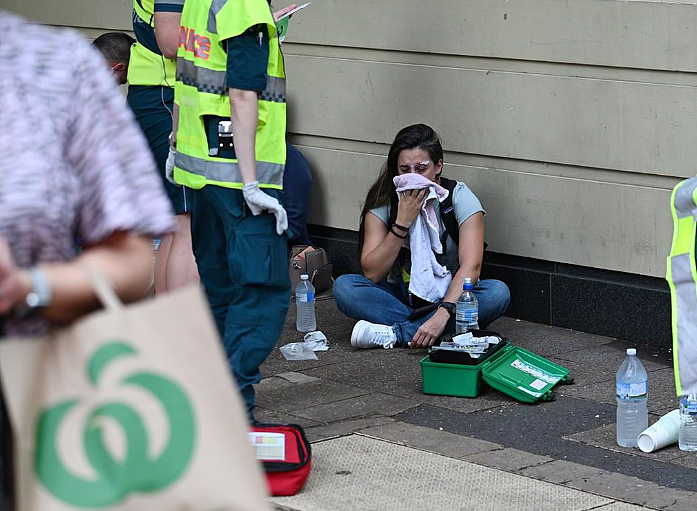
x=73, y=165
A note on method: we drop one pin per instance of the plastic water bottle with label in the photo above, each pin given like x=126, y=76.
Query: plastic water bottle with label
x=687, y=438
x=305, y=305
x=466, y=309
x=632, y=394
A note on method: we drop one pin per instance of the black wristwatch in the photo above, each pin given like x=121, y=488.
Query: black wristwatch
x=449, y=306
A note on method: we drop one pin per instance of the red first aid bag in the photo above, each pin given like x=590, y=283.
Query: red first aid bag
x=286, y=455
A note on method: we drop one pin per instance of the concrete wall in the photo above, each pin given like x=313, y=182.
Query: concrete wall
x=570, y=120
x=89, y=16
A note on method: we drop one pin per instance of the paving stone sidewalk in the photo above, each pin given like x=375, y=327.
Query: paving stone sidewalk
x=554, y=455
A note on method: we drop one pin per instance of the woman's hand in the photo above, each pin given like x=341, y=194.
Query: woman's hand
x=281, y=12
x=430, y=331
x=409, y=206
x=301, y=256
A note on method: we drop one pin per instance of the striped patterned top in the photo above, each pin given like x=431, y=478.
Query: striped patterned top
x=73, y=163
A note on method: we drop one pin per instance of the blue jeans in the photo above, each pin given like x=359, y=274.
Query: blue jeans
x=243, y=266
x=387, y=304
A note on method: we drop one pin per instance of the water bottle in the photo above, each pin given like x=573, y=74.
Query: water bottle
x=631, y=385
x=467, y=309
x=305, y=304
x=687, y=438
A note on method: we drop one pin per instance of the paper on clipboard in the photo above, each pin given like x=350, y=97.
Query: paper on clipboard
x=298, y=8
x=282, y=22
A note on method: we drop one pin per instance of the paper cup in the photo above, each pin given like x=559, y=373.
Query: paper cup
x=663, y=432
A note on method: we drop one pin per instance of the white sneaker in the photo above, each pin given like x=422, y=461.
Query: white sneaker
x=371, y=335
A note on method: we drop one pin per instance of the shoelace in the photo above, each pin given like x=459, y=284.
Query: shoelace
x=383, y=338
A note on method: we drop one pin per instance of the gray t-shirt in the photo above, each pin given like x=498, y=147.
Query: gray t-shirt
x=465, y=204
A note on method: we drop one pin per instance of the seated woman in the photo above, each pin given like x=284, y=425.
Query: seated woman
x=381, y=299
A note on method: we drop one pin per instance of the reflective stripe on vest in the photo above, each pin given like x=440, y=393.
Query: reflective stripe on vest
x=216, y=6
x=271, y=174
x=681, y=275
x=202, y=94
x=215, y=82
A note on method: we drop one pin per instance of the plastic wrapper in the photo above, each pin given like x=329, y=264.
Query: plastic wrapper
x=317, y=340
x=305, y=350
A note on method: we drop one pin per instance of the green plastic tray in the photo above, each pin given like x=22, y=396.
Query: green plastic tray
x=450, y=379
x=517, y=372
x=524, y=375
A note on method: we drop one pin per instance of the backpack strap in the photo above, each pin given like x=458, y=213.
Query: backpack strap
x=447, y=214
x=403, y=252
x=393, y=210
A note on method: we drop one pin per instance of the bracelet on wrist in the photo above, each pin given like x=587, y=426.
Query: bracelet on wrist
x=38, y=297
x=398, y=235
x=400, y=227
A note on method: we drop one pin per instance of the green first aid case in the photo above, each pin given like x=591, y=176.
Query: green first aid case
x=515, y=371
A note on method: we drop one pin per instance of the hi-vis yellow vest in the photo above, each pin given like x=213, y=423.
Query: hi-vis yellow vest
x=146, y=67
x=681, y=275
x=201, y=90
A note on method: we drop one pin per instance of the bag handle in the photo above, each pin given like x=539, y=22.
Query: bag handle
x=103, y=288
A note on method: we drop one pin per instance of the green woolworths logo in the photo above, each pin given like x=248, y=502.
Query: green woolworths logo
x=137, y=472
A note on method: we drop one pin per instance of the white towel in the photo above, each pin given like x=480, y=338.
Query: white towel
x=428, y=279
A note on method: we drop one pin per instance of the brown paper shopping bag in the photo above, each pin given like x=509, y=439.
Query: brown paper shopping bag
x=130, y=408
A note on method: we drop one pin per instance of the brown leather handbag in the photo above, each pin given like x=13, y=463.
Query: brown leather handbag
x=315, y=264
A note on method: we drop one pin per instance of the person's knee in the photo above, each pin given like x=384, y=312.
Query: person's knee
x=500, y=295
x=342, y=290
x=183, y=224
x=345, y=290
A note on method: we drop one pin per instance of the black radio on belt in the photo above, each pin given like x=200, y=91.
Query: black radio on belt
x=219, y=135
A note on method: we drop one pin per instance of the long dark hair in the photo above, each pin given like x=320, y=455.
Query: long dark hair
x=419, y=136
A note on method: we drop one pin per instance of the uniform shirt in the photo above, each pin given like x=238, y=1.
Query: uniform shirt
x=73, y=163
x=465, y=204
x=145, y=28
x=248, y=59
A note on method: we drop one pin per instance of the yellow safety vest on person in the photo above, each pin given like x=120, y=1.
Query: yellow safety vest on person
x=681, y=275
x=146, y=67
x=201, y=92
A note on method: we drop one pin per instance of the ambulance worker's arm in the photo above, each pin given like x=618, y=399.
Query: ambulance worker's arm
x=168, y=15
x=244, y=112
x=248, y=57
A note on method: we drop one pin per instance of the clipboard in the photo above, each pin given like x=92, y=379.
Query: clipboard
x=282, y=22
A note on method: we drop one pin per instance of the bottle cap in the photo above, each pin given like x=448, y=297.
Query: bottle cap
x=631, y=351
x=304, y=276
x=467, y=284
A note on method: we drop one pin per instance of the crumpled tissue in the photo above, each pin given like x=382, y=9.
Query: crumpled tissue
x=305, y=350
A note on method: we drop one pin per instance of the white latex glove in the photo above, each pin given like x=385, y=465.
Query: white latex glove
x=169, y=166
x=258, y=202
